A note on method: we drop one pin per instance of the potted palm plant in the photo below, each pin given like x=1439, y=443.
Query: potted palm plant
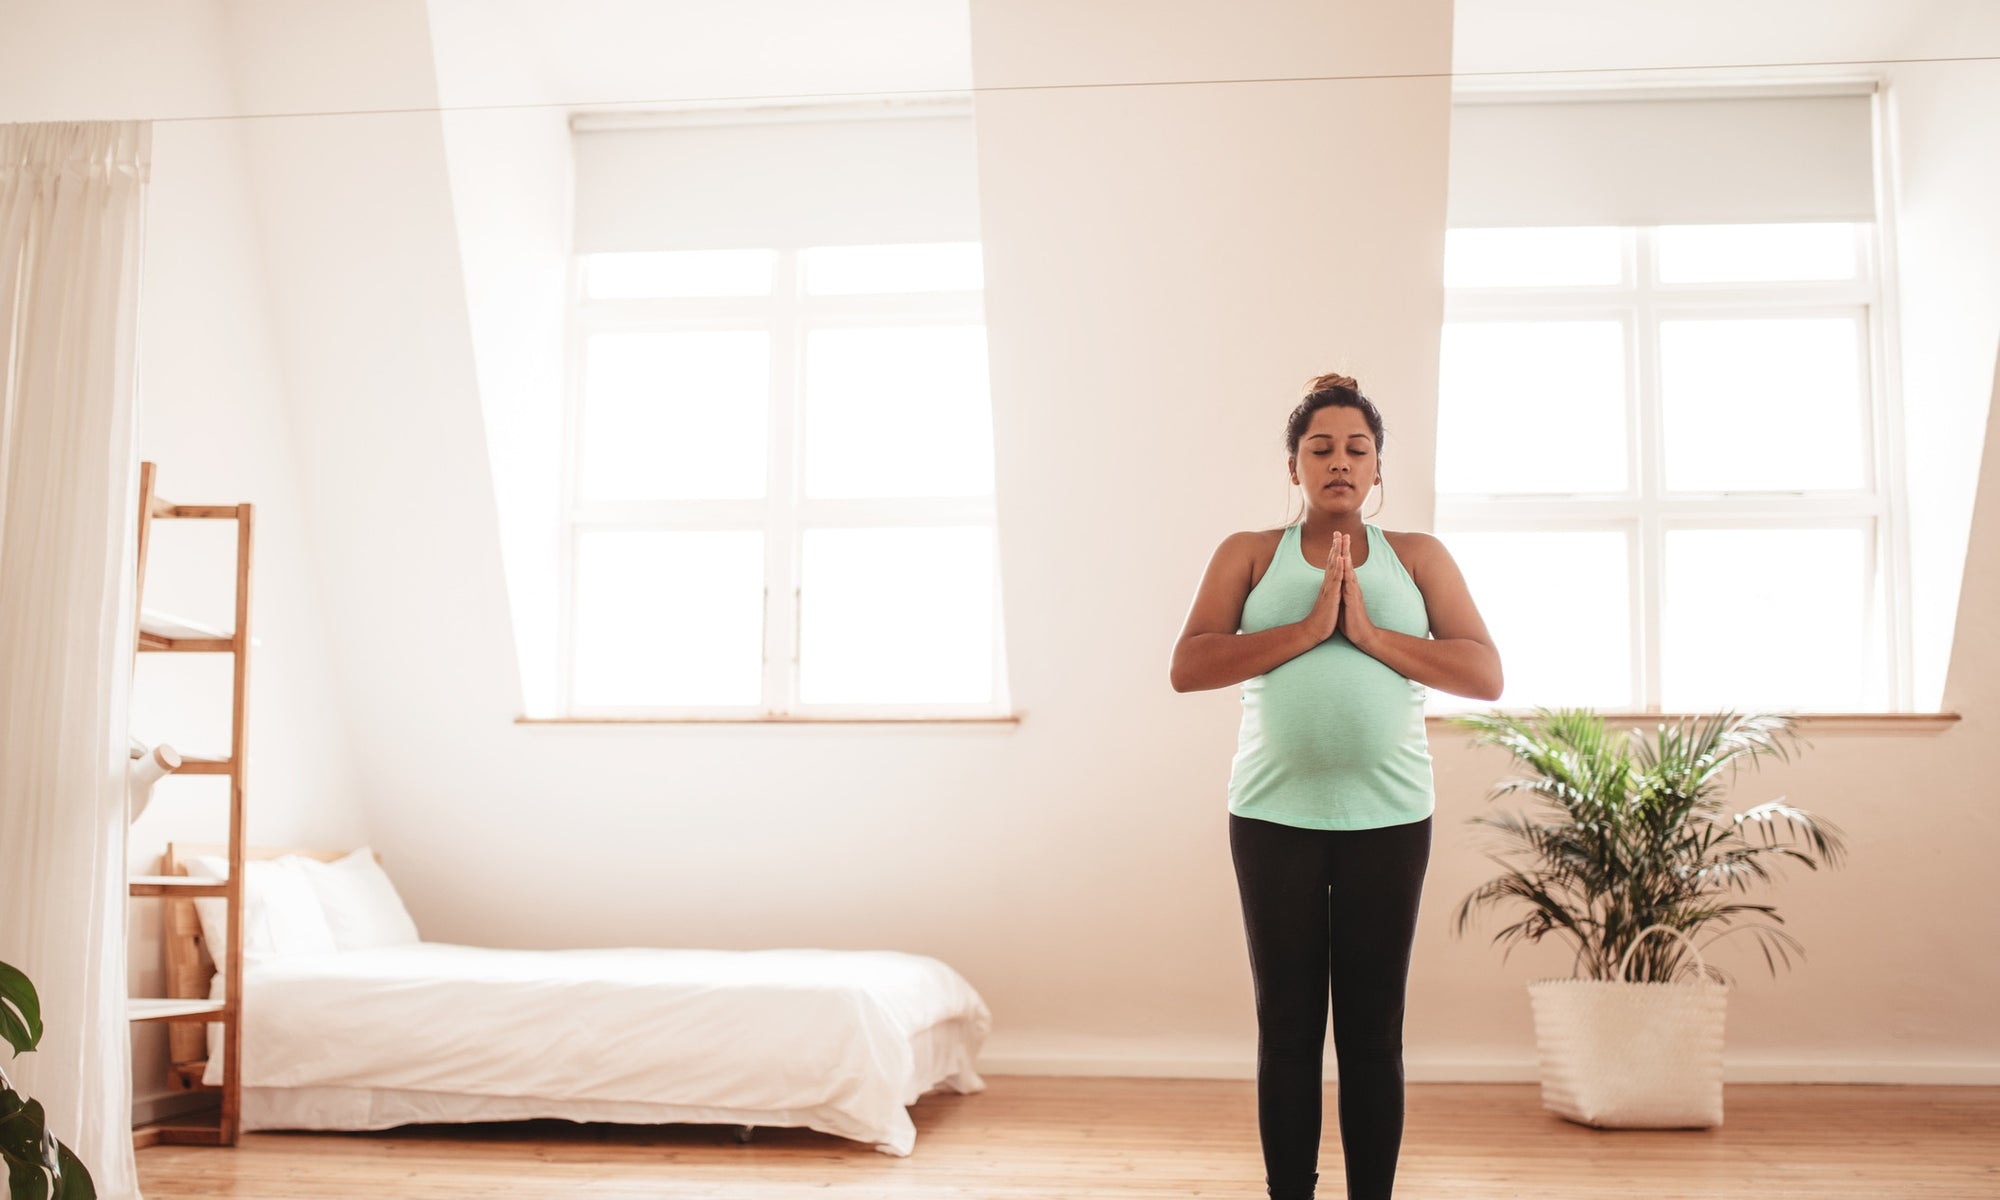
x=37, y=1164
x=1631, y=838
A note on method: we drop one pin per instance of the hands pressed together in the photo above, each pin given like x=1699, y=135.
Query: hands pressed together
x=1339, y=606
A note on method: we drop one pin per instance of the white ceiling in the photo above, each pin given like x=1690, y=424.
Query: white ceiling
x=1540, y=35
x=591, y=52
x=601, y=52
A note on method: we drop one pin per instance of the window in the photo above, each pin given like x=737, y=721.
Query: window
x=778, y=495
x=781, y=484
x=1660, y=465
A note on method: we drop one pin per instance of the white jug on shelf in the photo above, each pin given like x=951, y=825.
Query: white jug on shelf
x=148, y=767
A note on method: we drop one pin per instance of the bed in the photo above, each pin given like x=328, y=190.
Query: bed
x=377, y=1030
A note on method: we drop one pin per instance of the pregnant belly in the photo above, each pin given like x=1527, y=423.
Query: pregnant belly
x=1333, y=709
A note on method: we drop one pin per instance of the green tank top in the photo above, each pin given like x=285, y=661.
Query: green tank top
x=1333, y=739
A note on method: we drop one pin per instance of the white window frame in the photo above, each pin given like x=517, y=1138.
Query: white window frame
x=1645, y=511
x=783, y=515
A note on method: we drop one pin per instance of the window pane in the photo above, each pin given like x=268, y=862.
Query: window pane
x=665, y=274
x=675, y=416
x=1762, y=405
x=669, y=619
x=1558, y=605
x=1764, y=618
x=857, y=270
x=1553, y=257
x=897, y=616
x=1756, y=253
x=898, y=412
x=1532, y=406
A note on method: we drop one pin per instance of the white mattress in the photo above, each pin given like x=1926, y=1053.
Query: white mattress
x=840, y=1041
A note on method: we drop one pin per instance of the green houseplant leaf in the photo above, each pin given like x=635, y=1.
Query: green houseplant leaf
x=1627, y=833
x=20, y=1010
x=38, y=1166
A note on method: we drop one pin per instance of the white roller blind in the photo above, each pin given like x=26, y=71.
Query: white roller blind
x=1661, y=161
x=789, y=178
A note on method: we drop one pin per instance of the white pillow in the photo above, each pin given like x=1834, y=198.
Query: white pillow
x=281, y=913
x=362, y=908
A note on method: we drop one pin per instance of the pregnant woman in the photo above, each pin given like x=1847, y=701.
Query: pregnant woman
x=1335, y=629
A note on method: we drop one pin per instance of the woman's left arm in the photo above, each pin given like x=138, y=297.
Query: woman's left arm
x=1459, y=656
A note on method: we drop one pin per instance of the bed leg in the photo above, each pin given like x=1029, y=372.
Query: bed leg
x=743, y=1133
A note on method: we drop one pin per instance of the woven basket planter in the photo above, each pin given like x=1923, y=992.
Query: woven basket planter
x=1622, y=1055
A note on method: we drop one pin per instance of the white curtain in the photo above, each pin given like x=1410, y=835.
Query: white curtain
x=72, y=200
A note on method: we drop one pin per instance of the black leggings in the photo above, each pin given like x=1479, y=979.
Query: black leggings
x=1338, y=906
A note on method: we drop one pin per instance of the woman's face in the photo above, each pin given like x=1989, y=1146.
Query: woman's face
x=1337, y=450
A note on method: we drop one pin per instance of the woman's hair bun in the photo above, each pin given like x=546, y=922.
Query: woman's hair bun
x=1331, y=379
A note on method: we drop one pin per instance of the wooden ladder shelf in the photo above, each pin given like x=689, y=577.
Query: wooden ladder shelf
x=187, y=1008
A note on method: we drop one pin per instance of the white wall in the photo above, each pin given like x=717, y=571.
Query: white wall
x=112, y=59
x=358, y=213
x=1166, y=265
x=212, y=416
x=1945, y=118
x=509, y=176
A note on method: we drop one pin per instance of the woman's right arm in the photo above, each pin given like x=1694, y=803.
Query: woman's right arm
x=1211, y=654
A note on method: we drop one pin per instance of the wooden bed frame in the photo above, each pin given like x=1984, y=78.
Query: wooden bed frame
x=190, y=967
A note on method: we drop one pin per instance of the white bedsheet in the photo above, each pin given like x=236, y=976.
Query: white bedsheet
x=837, y=1040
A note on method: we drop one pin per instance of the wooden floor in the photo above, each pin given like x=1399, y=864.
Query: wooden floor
x=1083, y=1139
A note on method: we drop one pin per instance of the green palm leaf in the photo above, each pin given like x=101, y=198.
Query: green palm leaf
x=1628, y=832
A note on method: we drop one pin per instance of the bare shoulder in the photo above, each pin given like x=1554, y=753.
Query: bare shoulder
x=1255, y=548
x=1234, y=570
x=1414, y=548
x=1447, y=599
x=1244, y=557
x=1252, y=538
x=1250, y=545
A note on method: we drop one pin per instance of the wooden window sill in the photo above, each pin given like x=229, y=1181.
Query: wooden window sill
x=1004, y=720
x=1808, y=722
